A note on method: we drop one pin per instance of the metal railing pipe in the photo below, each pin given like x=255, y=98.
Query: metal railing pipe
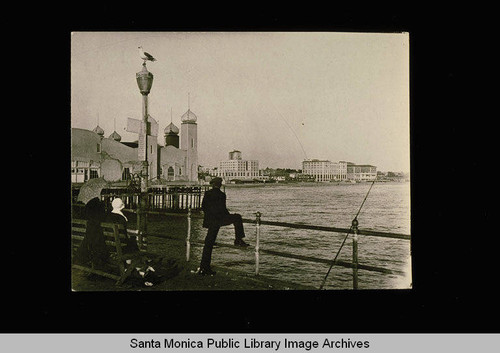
x=355, y=254
x=257, y=241
x=331, y=229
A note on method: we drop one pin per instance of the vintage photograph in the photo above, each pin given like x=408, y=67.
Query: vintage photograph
x=269, y=161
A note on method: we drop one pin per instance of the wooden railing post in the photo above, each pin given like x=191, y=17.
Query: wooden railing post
x=355, y=254
x=142, y=210
x=188, y=237
x=139, y=222
x=257, y=241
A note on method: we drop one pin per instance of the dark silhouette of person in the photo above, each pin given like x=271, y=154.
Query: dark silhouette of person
x=217, y=215
x=93, y=249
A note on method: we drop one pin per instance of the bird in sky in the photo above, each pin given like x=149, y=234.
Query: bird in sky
x=145, y=56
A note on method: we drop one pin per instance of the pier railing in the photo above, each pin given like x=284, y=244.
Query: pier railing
x=354, y=265
x=258, y=222
x=176, y=198
x=167, y=198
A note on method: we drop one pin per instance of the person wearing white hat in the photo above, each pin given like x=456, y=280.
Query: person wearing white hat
x=118, y=206
x=117, y=216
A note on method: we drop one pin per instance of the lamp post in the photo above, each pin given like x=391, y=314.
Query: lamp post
x=144, y=81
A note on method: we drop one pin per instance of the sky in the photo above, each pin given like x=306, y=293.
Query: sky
x=278, y=97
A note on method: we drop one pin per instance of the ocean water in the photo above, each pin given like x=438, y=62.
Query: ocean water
x=386, y=209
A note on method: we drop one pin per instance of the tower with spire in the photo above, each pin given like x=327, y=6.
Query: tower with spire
x=189, y=142
x=114, y=135
x=98, y=130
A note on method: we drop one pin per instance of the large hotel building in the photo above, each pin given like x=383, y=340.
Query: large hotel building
x=325, y=170
x=237, y=168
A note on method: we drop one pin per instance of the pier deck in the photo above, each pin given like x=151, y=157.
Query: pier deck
x=226, y=280
x=170, y=235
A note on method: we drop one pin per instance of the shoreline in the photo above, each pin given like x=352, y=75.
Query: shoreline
x=311, y=184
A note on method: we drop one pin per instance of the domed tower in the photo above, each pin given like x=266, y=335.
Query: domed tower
x=189, y=143
x=99, y=131
x=172, y=135
x=115, y=136
x=189, y=117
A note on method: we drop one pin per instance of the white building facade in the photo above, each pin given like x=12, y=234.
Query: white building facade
x=363, y=172
x=238, y=169
x=325, y=170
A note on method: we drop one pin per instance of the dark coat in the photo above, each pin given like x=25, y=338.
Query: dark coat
x=131, y=241
x=214, y=208
x=93, y=247
x=116, y=218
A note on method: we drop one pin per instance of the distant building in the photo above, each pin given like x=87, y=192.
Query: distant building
x=238, y=169
x=325, y=170
x=361, y=172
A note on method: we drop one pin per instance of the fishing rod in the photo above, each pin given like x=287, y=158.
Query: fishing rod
x=354, y=223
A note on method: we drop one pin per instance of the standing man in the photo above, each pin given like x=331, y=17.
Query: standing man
x=216, y=215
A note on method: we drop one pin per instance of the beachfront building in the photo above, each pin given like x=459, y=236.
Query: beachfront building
x=325, y=170
x=236, y=168
x=361, y=172
x=93, y=155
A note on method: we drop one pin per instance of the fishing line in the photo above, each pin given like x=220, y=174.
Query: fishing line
x=345, y=238
x=283, y=118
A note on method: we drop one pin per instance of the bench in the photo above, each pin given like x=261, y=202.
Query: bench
x=114, y=235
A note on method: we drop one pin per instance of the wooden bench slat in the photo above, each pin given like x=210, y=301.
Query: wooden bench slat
x=79, y=221
x=106, y=232
x=111, y=225
x=112, y=235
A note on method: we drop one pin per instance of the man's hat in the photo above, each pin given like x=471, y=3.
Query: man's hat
x=216, y=181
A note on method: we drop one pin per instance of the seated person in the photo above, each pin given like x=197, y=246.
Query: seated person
x=93, y=248
x=117, y=216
